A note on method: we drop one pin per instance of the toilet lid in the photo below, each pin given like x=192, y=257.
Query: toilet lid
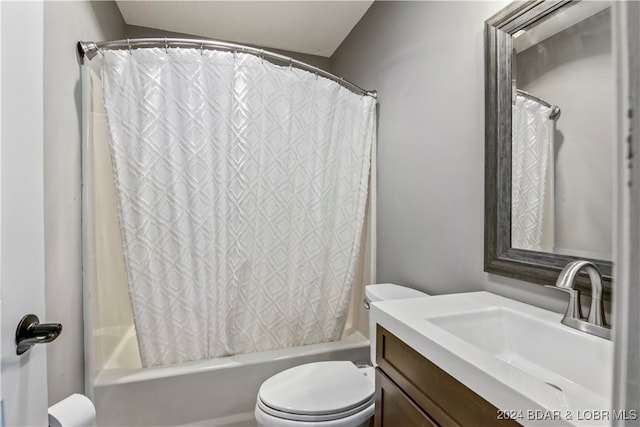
x=316, y=389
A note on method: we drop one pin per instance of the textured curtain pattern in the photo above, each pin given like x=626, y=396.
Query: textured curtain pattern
x=241, y=190
x=531, y=145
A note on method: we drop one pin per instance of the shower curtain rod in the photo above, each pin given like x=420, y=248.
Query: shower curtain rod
x=91, y=49
x=555, y=110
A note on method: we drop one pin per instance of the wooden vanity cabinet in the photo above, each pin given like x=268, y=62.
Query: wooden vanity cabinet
x=412, y=391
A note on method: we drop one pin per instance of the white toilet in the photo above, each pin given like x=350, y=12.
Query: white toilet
x=326, y=394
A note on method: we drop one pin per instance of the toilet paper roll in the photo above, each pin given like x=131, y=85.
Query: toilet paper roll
x=74, y=411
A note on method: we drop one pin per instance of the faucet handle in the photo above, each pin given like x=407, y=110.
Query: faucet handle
x=574, y=309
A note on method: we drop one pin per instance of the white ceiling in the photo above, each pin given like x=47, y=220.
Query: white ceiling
x=311, y=27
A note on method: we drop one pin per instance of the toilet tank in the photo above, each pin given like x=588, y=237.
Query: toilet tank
x=385, y=292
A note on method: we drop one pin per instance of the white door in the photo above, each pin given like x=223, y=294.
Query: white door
x=23, y=378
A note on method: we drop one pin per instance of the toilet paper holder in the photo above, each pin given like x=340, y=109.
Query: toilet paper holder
x=31, y=332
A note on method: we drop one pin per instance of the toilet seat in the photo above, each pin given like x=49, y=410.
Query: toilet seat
x=321, y=391
x=316, y=417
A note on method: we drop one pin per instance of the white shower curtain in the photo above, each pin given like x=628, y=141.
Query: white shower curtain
x=241, y=190
x=532, y=207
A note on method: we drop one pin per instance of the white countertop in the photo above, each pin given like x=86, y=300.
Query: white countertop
x=518, y=357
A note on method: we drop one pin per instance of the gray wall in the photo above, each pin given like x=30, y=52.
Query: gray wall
x=65, y=23
x=426, y=61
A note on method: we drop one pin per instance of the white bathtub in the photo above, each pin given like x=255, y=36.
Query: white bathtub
x=217, y=392
x=213, y=392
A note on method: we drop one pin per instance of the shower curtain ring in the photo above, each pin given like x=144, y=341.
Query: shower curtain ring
x=166, y=45
x=262, y=55
x=290, y=64
x=201, y=48
x=129, y=45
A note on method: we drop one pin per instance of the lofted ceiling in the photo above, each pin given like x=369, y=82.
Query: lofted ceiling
x=311, y=27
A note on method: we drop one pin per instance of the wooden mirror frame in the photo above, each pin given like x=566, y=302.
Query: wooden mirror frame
x=499, y=257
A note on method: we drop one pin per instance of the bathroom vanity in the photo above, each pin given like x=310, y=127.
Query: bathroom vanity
x=481, y=359
x=411, y=388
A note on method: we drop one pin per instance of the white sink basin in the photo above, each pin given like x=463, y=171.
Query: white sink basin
x=518, y=357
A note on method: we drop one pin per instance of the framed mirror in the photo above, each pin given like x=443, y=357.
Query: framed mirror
x=549, y=157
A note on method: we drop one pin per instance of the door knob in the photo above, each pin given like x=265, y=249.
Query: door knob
x=31, y=332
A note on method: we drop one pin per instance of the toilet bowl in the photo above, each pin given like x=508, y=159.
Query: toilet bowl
x=326, y=394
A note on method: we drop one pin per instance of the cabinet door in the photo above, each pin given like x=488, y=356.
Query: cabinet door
x=447, y=401
x=394, y=408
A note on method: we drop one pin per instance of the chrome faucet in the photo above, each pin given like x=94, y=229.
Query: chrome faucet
x=595, y=323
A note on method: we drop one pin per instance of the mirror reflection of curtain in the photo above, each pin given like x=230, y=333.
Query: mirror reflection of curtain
x=532, y=177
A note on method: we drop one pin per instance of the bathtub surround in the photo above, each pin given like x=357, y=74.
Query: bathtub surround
x=125, y=393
